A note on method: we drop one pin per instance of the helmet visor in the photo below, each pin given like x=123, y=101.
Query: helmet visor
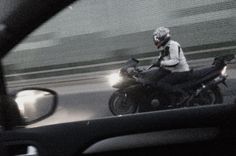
x=156, y=40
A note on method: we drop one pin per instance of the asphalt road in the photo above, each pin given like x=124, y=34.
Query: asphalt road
x=88, y=99
x=80, y=102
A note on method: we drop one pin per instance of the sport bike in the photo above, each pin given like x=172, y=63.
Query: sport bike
x=135, y=92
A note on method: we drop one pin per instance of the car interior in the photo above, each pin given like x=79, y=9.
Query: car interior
x=202, y=130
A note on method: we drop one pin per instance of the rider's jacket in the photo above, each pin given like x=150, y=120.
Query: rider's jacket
x=172, y=57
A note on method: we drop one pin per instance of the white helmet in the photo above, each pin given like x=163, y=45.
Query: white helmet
x=161, y=36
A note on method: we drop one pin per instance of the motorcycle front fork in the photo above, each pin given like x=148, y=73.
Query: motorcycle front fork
x=124, y=97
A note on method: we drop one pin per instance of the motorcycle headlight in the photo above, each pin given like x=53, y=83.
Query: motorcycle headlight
x=224, y=71
x=114, y=79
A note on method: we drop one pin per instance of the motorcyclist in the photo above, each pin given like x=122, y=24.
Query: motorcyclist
x=172, y=59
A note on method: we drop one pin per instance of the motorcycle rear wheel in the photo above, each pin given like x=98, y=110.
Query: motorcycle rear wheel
x=121, y=104
x=210, y=96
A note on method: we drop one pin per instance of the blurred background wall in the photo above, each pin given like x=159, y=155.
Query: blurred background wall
x=98, y=35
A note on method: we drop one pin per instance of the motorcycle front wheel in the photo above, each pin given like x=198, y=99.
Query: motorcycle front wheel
x=121, y=104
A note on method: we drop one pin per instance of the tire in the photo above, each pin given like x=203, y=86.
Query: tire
x=121, y=104
x=210, y=96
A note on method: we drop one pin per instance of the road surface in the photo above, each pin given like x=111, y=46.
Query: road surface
x=90, y=101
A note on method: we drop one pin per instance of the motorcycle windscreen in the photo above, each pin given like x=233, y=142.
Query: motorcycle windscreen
x=131, y=63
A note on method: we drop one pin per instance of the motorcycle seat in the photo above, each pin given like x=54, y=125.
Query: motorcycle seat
x=196, y=77
x=197, y=74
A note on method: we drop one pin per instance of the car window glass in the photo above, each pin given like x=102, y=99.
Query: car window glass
x=79, y=54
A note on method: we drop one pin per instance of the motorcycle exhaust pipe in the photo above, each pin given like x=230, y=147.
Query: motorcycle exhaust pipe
x=216, y=81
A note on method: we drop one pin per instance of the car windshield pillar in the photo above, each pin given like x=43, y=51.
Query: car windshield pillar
x=2, y=93
x=2, y=81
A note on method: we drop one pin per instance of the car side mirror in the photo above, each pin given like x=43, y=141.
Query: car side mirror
x=35, y=104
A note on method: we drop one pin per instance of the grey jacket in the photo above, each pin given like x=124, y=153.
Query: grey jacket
x=172, y=57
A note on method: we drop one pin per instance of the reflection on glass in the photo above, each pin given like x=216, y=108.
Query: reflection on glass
x=74, y=52
x=34, y=104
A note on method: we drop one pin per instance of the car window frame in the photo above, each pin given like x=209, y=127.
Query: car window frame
x=3, y=93
x=84, y=131
x=14, y=27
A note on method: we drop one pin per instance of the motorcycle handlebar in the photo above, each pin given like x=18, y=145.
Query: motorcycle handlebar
x=150, y=67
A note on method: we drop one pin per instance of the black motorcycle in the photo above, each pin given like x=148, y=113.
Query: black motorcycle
x=136, y=94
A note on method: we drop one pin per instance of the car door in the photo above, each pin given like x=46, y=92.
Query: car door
x=81, y=124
